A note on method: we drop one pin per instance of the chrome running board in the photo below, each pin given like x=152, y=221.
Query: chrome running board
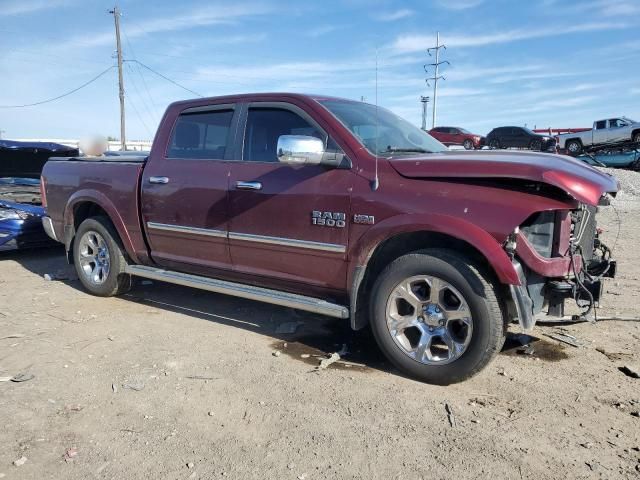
x=250, y=292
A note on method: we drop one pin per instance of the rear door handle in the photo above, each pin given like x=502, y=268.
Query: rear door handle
x=161, y=180
x=248, y=185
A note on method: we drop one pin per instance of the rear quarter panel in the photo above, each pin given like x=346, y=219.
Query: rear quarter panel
x=111, y=185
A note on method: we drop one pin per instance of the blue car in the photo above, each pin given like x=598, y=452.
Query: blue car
x=21, y=214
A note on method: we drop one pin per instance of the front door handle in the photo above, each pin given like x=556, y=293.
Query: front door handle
x=161, y=180
x=248, y=185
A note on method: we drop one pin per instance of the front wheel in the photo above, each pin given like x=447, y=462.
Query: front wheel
x=436, y=317
x=536, y=145
x=574, y=147
x=636, y=137
x=99, y=259
x=494, y=144
x=467, y=144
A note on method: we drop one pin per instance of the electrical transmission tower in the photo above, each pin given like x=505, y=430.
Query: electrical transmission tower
x=116, y=16
x=436, y=76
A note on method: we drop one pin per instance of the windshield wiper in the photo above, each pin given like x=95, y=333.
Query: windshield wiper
x=405, y=150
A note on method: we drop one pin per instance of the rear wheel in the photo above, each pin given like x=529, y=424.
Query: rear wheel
x=99, y=258
x=574, y=147
x=467, y=144
x=436, y=317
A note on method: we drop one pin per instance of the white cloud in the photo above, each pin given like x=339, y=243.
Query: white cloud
x=22, y=7
x=458, y=4
x=418, y=42
x=597, y=8
x=395, y=15
x=195, y=17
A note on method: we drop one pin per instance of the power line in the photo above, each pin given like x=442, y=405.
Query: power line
x=165, y=77
x=63, y=95
x=138, y=70
x=135, y=109
x=140, y=97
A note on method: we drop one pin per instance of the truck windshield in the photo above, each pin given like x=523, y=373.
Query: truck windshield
x=395, y=136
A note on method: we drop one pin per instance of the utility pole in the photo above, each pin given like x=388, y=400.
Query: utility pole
x=425, y=102
x=436, y=77
x=116, y=16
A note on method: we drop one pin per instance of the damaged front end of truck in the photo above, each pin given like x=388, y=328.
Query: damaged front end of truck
x=560, y=257
x=556, y=249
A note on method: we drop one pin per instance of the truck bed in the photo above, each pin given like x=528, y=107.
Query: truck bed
x=107, y=183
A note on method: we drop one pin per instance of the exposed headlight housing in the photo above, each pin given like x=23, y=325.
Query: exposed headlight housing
x=539, y=230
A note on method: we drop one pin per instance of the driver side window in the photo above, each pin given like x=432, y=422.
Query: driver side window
x=266, y=125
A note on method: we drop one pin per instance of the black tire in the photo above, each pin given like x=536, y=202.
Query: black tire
x=488, y=322
x=636, y=137
x=494, y=144
x=115, y=282
x=573, y=147
x=536, y=145
x=467, y=144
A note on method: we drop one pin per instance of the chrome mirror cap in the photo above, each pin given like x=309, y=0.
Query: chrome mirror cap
x=300, y=150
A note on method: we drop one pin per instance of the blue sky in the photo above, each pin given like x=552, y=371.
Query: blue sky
x=543, y=63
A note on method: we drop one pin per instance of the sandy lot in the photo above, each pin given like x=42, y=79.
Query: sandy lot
x=169, y=382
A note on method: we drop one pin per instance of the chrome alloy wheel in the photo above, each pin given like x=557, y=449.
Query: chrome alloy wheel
x=429, y=320
x=94, y=257
x=573, y=147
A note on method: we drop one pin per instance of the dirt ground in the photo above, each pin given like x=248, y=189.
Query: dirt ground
x=169, y=382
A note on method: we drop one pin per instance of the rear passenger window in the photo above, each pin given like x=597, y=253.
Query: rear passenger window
x=264, y=127
x=601, y=124
x=201, y=135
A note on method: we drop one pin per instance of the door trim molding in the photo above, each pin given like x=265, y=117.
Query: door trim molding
x=182, y=229
x=289, y=242
x=249, y=237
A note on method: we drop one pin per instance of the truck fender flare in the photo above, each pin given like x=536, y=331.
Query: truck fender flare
x=100, y=199
x=488, y=246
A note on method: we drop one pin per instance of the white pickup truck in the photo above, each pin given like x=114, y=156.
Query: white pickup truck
x=613, y=130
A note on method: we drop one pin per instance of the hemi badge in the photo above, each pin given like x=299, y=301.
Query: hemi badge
x=364, y=219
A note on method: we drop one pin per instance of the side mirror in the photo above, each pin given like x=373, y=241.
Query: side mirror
x=300, y=150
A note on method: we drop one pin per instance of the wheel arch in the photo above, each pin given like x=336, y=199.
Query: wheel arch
x=458, y=235
x=86, y=204
x=573, y=139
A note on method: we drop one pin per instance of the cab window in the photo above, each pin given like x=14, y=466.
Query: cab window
x=264, y=127
x=201, y=135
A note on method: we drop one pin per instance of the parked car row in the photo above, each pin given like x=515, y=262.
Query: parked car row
x=498, y=138
x=604, y=134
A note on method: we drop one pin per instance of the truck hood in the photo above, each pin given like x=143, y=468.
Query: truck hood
x=579, y=180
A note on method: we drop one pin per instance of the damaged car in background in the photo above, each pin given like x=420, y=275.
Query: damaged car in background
x=21, y=214
x=20, y=200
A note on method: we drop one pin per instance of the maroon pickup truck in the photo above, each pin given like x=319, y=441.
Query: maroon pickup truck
x=344, y=209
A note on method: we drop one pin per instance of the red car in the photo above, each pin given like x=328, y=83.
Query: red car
x=457, y=136
x=340, y=208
